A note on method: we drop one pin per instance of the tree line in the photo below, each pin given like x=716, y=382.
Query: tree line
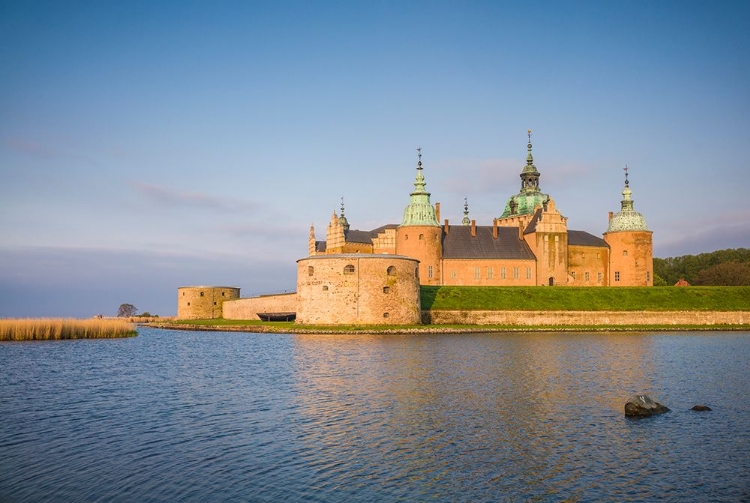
x=720, y=268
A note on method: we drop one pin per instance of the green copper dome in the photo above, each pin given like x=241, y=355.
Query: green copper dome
x=420, y=211
x=530, y=196
x=627, y=219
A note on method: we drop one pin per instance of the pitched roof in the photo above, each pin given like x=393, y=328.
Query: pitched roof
x=583, y=238
x=357, y=236
x=458, y=243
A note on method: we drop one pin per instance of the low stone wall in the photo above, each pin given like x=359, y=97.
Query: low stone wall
x=247, y=309
x=585, y=318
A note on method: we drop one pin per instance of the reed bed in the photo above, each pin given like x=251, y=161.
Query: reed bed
x=45, y=329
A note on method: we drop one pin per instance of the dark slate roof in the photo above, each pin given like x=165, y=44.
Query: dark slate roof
x=459, y=244
x=583, y=238
x=357, y=236
x=320, y=246
x=532, y=223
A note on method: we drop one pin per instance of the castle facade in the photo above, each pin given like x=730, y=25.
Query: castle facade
x=529, y=244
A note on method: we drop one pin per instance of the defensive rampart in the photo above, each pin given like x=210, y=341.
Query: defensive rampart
x=585, y=318
x=203, y=302
x=248, y=309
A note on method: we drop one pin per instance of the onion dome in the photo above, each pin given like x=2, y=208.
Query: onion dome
x=420, y=211
x=530, y=196
x=627, y=219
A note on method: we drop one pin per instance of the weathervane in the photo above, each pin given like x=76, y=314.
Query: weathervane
x=625, y=169
x=529, y=131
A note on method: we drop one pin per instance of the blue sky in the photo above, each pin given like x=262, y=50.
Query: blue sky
x=150, y=145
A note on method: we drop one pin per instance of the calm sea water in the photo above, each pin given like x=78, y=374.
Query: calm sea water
x=188, y=416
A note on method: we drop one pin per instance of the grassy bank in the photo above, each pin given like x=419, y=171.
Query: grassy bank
x=43, y=329
x=586, y=299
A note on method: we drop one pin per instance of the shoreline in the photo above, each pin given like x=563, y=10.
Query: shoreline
x=438, y=329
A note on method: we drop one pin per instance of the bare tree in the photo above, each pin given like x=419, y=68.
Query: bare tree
x=126, y=311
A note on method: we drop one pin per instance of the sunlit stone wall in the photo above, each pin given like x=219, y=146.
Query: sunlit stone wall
x=357, y=289
x=248, y=309
x=203, y=302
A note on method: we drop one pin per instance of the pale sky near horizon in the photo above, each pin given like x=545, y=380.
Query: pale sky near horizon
x=150, y=145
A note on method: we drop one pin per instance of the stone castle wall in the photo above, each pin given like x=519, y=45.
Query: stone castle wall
x=203, y=302
x=357, y=289
x=248, y=309
x=586, y=318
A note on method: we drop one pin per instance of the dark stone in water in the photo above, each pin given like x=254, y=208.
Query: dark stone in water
x=700, y=408
x=643, y=406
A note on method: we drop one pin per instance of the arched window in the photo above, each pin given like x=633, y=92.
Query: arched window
x=624, y=253
x=349, y=269
x=421, y=236
x=325, y=288
x=391, y=271
x=310, y=270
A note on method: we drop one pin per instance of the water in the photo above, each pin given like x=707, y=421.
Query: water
x=188, y=416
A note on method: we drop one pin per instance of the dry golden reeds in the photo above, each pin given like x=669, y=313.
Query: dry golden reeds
x=42, y=329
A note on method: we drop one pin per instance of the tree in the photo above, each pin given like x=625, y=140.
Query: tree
x=725, y=274
x=126, y=311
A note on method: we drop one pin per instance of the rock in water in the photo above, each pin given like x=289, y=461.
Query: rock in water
x=700, y=408
x=643, y=406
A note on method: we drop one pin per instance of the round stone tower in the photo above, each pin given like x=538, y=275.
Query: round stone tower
x=358, y=288
x=420, y=236
x=203, y=302
x=630, y=243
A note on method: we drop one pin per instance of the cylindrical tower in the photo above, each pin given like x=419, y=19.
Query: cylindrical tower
x=355, y=288
x=203, y=302
x=420, y=236
x=631, y=245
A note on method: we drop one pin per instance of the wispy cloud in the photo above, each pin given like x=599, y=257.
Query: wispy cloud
x=168, y=196
x=42, y=150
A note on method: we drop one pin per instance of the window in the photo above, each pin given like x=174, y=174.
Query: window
x=406, y=237
x=515, y=273
x=349, y=269
x=214, y=303
x=490, y=273
x=201, y=294
x=502, y=272
x=222, y=294
x=391, y=271
x=416, y=272
x=624, y=253
x=586, y=276
x=310, y=270
x=477, y=274
x=385, y=315
x=183, y=294
x=598, y=256
x=421, y=237
x=573, y=275
x=325, y=288
x=648, y=275
x=386, y=289
x=429, y=271
x=598, y=277
x=528, y=273
x=617, y=275
x=188, y=303
x=453, y=274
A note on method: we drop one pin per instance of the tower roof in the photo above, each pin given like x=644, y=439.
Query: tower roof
x=420, y=211
x=529, y=196
x=627, y=219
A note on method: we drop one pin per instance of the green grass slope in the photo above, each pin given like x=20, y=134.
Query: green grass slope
x=586, y=299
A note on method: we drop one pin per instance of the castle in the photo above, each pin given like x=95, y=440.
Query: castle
x=528, y=244
x=371, y=277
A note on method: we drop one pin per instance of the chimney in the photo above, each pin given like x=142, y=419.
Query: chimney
x=437, y=211
x=473, y=228
x=446, y=226
x=520, y=231
x=610, y=215
x=494, y=228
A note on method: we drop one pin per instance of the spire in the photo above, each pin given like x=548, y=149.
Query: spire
x=529, y=157
x=529, y=175
x=466, y=220
x=627, y=219
x=530, y=195
x=343, y=221
x=420, y=211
